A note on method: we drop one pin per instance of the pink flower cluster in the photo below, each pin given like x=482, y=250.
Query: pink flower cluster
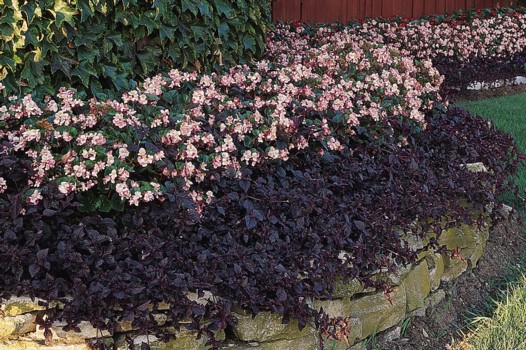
x=503, y=34
x=188, y=125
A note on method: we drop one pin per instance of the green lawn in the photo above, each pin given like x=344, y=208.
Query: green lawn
x=508, y=113
x=506, y=329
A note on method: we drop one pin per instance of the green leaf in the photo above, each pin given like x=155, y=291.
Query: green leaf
x=28, y=76
x=6, y=61
x=64, y=13
x=223, y=8
x=149, y=23
x=249, y=43
x=167, y=32
x=116, y=202
x=63, y=64
x=204, y=9
x=104, y=204
x=189, y=5
x=30, y=9
x=85, y=10
x=223, y=30
x=84, y=71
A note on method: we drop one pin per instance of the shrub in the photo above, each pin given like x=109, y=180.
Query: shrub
x=99, y=45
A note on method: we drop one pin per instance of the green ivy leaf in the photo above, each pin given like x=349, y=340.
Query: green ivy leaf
x=63, y=64
x=84, y=71
x=167, y=32
x=189, y=5
x=85, y=10
x=249, y=43
x=223, y=8
x=64, y=13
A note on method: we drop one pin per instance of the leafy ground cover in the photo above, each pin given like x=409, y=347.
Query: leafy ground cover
x=488, y=296
x=508, y=114
x=248, y=184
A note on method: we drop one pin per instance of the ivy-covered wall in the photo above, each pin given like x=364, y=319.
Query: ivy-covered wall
x=99, y=45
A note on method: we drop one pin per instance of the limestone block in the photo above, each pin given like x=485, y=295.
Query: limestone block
x=18, y=325
x=402, y=272
x=87, y=331
x=435, y=263
x=267, y=327
x=32, y=345
x=459, y=237
x=185, y=341
x=15, y=306
x=454, y=268
x=417, y=286
x=355, y=333
x=347, y=290
x=477, y=254
x=375, y=312
x=434, y=299
x=309, y=342
x=126, y=326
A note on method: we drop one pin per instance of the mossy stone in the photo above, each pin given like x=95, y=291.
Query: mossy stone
x=17, y=325
x=347, y=290
x=266, y=327
x=435, y=263
x=20, y=305
x=185, y=340
x=417, y=286
x=377, y=312
x=32, y=345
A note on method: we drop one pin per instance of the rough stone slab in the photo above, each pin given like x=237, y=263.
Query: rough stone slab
x=356, y=331
x=435, y=263
x=346, y=290
x=417, y=286
x=375, y=312
x=185, y=341
x=15, y=306
x=267, y=326
x=434, y=299
x=454, y=271
x=126, y=326
x=402, y=271
x=309, y=342
x=18, y=325
x=459, y=237
x=32, y=345
x=87, y=331
x=392, y=334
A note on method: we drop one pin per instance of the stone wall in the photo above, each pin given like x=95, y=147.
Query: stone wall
x=416, y=289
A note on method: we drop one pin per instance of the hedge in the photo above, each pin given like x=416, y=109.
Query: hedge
x=100, y=45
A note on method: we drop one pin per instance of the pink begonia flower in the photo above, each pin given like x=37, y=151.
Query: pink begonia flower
x=3, y=184
x=34, y=198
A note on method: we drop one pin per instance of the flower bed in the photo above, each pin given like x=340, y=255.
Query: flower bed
x=482, y=45
x=247, y=185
